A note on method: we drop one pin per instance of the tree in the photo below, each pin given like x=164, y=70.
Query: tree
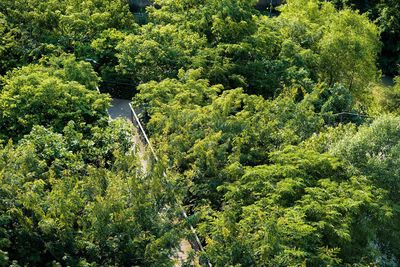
x=389, y=20
x=349, y=50
x=225, y=21
x=50, y=96
x=54, y=25
x=373, y=151
x=245, y=114
x=104, y=52
x=207, y=137
x=263, y=63
x=58, y=209
x=386, y=15
x=8, y=45
x=158, y=52
x=391, y=98
x=378, y=145
x=345, y=42
x=303, y=208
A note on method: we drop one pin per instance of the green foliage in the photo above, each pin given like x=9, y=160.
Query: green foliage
x=225, y=21
x=387, y=16
x=8, y=45
x=389, y=20
x=330, y=100
x=391, y=98
x=374, y=152
x=303, y=208
x=54, y=25
x=158, y=52
x=238, y=47
x=348, y=51
x=244, y=112
x=263, y=62
x=329, y=137
x=205, y=136
x=58, y=207
x=104, y=53
x=51, y=96
x=345, y=42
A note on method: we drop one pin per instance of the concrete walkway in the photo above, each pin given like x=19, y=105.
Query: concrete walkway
x=120, y=109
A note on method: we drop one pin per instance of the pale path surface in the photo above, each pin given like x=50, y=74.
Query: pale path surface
x=120, y=109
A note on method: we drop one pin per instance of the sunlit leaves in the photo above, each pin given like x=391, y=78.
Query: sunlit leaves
x=64, y=200
x=50, y=96
x=158, y=52
x=302, y=208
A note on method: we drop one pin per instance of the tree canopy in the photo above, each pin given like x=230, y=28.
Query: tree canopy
x=272, y=134
x=80, y=201
x=51, y=96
